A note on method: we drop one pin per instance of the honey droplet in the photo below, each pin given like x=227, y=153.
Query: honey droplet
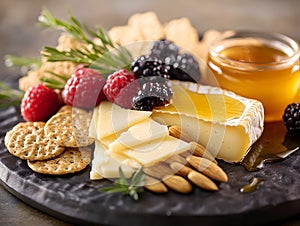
x=252, y=186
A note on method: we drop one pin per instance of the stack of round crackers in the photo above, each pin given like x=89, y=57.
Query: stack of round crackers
x=59, y=146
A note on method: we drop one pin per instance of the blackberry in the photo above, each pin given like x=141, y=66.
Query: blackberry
x=147, y=66
x=291, y=117
x=151, y=95
x=185, y=68
x=164, y=50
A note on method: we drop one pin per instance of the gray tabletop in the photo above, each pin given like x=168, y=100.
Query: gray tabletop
x=14, y=212
x=19, y=35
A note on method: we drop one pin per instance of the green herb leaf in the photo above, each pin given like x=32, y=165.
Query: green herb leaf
x=127, y=187
x=138, y=178
x=52, y=83
x=24, y=62
x=106, y=58
x=61, y=77
x=9, y=96
x=55, y=83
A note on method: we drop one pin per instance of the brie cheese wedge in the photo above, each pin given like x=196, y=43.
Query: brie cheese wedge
x=225, y=123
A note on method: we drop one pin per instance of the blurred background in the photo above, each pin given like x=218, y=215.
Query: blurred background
x=20, y=34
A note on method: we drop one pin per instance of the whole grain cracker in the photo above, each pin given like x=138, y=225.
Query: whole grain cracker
x=70, y=161
x=28, y=142
x=70, y=128
x=65, y=108
x=16, y=127
x=7, y=137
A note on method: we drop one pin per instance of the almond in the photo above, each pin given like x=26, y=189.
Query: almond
x=201, y=151
x=180, y=169
x=197, y=178
x=159, y=170
x=202, y=181
x=176, y=158
x=208, y=168
x=196, y=148
x=175, y=131
x=155, y=185
x=177, y=183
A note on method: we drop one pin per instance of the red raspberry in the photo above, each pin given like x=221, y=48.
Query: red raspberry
x=39, y=103
x=120, y=88
x=84, y=89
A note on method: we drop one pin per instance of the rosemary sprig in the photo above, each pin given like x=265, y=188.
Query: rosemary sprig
x=74, y=55
x=22, y=62
x=9, y=96
x=106, y=58
x=127, y=187
x=55, y=83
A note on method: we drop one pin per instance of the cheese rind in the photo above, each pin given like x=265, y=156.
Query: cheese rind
x=228, y=139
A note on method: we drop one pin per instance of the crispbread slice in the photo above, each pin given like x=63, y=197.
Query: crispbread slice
x=70, y=128
x=70, y=161
x=28, y=141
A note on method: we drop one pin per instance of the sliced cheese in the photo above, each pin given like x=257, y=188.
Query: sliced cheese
x=226, y=128
x=139, y=134
x=104, y=166
x=93, y=124
x=106, y=141
x=114, y=119
x=150, y=153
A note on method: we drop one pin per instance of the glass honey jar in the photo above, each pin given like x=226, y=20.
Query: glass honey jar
x=257, y=65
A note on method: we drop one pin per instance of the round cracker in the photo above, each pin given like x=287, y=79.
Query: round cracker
x=65, y=108
x=70, y=161
x=16, y=127
x=28, y=141
x=70, y=128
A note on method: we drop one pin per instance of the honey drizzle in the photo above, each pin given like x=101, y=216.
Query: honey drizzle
x=271, y=147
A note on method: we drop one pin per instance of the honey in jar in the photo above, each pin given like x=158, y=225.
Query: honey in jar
x=259, y=66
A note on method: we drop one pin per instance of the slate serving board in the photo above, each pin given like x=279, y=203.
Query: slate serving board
x=76, y=199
